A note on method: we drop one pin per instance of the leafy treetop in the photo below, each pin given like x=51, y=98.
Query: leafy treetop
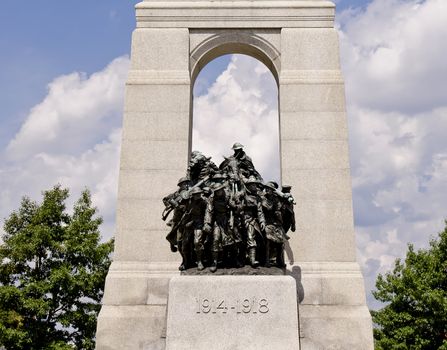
x=415, y=316
x=52, y=272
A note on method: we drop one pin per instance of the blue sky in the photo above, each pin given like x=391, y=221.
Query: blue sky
x=40, y=40
x=63, y=68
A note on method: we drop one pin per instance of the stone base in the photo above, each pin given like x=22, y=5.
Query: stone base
x=246, y=270
x=232, y=313
x=335, y=327
x=333, y=312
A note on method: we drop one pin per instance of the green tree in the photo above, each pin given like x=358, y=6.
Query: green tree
x=52, y=272
x=415, y=316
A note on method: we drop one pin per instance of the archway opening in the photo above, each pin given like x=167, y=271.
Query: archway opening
x=235, y=99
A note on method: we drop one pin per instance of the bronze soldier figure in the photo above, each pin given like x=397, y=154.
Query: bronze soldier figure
x=176, y=202
x=217, y=218
x=200, y=167
x=241, y=161
x=228, y=214
x=196, y=208
x=253, y=217
x=274, y=232
x=236, y=227
x=287, y=211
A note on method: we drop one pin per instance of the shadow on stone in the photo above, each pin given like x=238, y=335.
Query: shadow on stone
x=296, y=274
x=246, y=270
x=289, y=252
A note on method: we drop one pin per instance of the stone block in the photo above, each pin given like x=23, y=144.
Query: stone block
x=155, y=155
x=342, y=289
x=144, y=245
x=156, y=98
x=139, y=214
x=322, y=184
x=136, y=289
x=148, y=184
x=158, y=288
x=324, y=232
x=313, y=154
x=324, y=215
x=313, y=125
x=156, y=126
x=126, y=290
x=328, y=283
x=160, y=49
x=320, y=244
x=232, y=312
x=131, y=327
x=335, y=327
x=312, y=97
x=309, y=49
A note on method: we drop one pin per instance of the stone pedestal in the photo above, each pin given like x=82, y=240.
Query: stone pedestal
x=232, y=313
x=297, y=41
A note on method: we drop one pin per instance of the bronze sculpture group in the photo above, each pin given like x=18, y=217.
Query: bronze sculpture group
x=226, y=215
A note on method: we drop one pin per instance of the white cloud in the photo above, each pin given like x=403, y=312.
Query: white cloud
x=394, y=54
x=72, y=137
x=77, y=111
x=241, y=106
x=393, y=61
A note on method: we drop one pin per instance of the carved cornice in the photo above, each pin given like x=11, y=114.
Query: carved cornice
x=236, y=14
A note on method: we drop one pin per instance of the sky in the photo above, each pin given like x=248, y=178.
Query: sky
x=63, y=70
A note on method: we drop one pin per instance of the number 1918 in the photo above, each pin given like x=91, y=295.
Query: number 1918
x=241, y=306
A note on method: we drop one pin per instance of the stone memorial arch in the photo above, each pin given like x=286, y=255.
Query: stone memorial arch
x=297, y=41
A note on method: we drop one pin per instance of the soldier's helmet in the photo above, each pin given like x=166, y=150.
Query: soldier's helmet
x=218, y=177
x=272, y=183
x=206, y=190
x=237, y=145
x=252, y=180
x=194, y=154
x=195, y=190
x=195, y=157
x=218, y=186
x=286, y=188
x=182, y=180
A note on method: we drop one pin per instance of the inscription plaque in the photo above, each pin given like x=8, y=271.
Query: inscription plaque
x=246, y=306
x=232, y=312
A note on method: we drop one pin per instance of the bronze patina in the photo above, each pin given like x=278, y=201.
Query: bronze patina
x=227, y=216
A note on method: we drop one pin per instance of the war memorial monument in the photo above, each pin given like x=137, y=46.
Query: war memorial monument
x=213, y=256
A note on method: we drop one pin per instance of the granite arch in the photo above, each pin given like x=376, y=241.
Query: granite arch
x=235, y=42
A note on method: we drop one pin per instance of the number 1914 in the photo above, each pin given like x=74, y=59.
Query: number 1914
x=240, y=306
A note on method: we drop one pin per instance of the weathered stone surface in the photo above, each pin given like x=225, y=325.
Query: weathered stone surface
x=232, y=313
x=131, y=327
x=310, y=49
x=315, y=154
x=314, y=126
x=337, y=327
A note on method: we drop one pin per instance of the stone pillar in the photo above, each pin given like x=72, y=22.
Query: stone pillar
x=154, y=155
x=315, y=161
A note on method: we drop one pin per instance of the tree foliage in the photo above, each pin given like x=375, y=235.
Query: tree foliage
x=415, y=316
x=52, y=272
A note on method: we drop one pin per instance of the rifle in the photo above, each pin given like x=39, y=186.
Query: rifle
x=173, y=200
